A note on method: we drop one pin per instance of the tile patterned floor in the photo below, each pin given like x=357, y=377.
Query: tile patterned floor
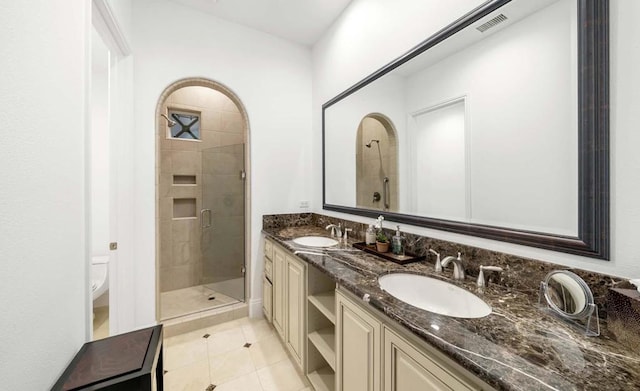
x=240, y=355
x=191, y=300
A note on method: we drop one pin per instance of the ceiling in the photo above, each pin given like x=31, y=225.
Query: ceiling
x=301, y=21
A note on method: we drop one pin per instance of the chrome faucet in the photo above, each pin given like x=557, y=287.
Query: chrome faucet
x=336, y=230
x=458, y=267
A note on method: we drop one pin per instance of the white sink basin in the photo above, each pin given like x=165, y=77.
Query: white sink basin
x=434, y=295
x=315, y=241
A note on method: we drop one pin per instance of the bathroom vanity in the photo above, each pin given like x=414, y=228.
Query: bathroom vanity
x=346, y=333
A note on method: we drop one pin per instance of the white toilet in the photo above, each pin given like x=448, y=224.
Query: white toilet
x=99, y=276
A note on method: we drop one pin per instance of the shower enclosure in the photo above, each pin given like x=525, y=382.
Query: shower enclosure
x=201, y=189
x=222, y=221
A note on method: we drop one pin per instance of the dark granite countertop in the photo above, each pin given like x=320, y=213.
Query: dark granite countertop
x=516, y=347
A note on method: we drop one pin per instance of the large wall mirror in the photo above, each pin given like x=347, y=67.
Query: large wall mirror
x=496, y=126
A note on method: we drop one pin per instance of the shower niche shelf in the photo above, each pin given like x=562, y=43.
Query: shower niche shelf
x=184, y=208
x=184, y=180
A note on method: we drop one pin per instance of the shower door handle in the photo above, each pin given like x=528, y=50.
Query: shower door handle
x=205, y=213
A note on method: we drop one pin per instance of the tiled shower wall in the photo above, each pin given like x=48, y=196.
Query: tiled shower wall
x=180, y=239
x=369, y=171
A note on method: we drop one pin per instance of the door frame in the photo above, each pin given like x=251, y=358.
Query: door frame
x=121, y=266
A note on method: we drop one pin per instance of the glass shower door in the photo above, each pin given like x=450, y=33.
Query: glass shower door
x=222, y=219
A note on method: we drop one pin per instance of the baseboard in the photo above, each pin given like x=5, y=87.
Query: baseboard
x=255, y=308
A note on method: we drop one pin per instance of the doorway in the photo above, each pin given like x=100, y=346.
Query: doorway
x=201, y=198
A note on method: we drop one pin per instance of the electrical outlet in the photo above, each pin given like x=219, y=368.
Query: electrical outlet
x=304, y=204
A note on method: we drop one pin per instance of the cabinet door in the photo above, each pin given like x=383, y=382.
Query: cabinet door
x=267, y=298
x=358, y=348
x=295, y=297
x=408, y=369
x=279, y=264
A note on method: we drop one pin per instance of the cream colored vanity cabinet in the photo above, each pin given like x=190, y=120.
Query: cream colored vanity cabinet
x=288, y=277
x=409, y=367
x=374, y=353
x=267, y=286
x=278, y=303
x=267, y=298
x=358, y=354
x=294, y=301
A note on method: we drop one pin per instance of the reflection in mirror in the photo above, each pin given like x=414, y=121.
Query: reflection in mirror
x=493, y=130
x=438, y=158
x=376, y=164
x=516, y=168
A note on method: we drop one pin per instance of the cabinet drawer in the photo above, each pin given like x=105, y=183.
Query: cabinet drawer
x=268, y=267
x=268, y=249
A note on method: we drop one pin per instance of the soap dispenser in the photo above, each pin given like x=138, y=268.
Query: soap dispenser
x=370, y=237
x=396, y=243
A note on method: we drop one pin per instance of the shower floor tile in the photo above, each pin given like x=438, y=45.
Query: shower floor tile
x=191, y=300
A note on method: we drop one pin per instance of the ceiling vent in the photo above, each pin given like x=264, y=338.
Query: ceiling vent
x=492, y=23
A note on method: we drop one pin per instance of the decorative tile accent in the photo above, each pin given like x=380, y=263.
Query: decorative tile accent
x=247, y=345
x=211, y=387
x=206, y=336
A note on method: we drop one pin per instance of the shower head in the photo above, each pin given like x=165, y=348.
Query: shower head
x=371, y=142
x=170, y=122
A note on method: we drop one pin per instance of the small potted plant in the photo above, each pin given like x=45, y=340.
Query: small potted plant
x=382, y=242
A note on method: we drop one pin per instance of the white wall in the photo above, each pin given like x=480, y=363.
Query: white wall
x=271, y=77
x=43, y=267
x=367, y=37
x=503, y=77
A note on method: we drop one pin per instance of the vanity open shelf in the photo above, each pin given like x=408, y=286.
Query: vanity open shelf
x=325, y=302
x=325, y=341
x=321, y=330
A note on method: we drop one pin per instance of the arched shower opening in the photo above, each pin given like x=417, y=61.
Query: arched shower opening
x=201, y=195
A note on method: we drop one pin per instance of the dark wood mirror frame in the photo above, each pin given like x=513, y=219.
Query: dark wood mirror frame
x=593, y=140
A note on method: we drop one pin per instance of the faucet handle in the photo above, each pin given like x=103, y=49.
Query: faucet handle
x=481, y=281
x=346, y=234
x=438, y=265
